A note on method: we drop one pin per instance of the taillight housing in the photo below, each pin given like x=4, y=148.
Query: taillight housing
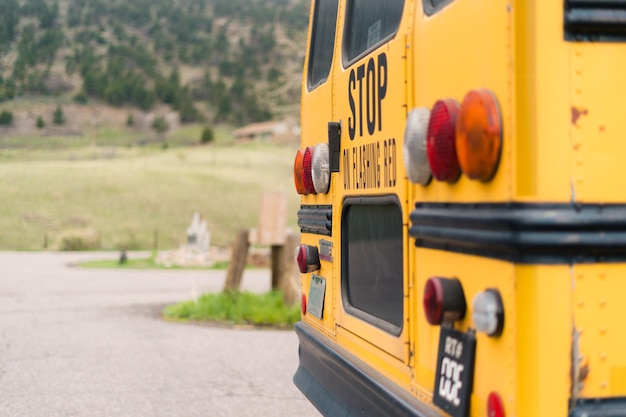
x=444, y=300
x=488, y=312
x=303, y=305
x=441, y=141
x=320, y=170
x=495, y=406
x=415, y=148
x=298, y=173
x=479, y=135
x=308, y=259
x=307, y=173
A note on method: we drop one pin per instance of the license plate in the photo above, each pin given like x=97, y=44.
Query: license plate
x=455, y=371
x=317, y=288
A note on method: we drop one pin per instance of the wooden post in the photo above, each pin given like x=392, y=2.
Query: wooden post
x=237, y=263
x=287, y=273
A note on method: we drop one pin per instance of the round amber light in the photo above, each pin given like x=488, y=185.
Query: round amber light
x=479, y=135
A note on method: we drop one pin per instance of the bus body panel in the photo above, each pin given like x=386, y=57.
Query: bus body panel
x=560, y=352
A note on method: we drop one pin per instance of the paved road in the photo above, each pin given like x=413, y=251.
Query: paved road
x=77, y=342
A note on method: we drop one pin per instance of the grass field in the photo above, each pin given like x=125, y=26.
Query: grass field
x=124, y=196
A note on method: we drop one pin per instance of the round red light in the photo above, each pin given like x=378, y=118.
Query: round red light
x=444, y=300
x=441, y=141
x=495, y=406
x=308, y=259
x=307, y=171
x=301, y=259
x=433, y=301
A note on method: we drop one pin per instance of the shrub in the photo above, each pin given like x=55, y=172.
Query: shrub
x=207, y=135
x=160, y=124
x=130, y=121
x=79, y=240
x=58, y=117
x=6, y=118
x=40, y=122
x=81, y=98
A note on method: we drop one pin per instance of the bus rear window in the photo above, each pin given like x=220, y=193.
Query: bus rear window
x=322, y=41
x=372, y=286
x=370, y=23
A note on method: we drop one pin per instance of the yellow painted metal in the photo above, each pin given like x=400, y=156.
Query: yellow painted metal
x=316, y=112
x=544, y=340
x=563, y=141
x=598, y=314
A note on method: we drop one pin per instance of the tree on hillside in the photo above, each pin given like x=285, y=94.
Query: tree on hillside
x=6, y=118
x=58, y=117
x=9, y=19
x=207, y=135
x=160, y=124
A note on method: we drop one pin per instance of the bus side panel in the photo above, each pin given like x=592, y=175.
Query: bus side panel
x=467, y=45
x=599, y=311
x=597, y=125
x=544, y=339
x=315, y=113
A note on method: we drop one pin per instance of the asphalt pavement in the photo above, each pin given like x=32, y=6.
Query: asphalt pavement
x=90, y=342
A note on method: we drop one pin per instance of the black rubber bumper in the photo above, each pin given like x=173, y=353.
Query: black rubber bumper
x=610, y=407
x=337, y=387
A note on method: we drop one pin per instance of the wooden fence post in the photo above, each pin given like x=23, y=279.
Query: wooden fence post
x=237, y=263
x=284, y=271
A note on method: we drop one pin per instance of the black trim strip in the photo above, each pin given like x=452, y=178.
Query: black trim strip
x=599, y=407
x=336, y=386
x=595, y=20
x=317, y=220
x=524, y=233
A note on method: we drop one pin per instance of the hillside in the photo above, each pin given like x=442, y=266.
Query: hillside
x=213, y=61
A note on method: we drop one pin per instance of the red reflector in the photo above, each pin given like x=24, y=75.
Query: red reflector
x=303, y=305
x=307, y=171
x=444, y=300
x=433, y=301
x=495, y=406
x=308, y=259
x=441, y=142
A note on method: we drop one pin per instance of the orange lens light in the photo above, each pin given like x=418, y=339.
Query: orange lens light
x=298, y=177
x=479, y=135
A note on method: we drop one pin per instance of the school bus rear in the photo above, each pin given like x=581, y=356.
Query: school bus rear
x=470, y=241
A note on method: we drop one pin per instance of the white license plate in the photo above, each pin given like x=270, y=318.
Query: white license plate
x=317, y=289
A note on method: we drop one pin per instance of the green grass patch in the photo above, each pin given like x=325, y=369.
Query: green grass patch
x=142, y=263
x=127, y=197
x=237, y=308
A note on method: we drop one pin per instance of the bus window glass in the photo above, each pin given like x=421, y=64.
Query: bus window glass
x=370, y=22
x=372, y=260
x=322, y=41
x=432, y=6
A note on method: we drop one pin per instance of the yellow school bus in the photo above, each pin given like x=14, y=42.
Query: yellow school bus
x=463, y=212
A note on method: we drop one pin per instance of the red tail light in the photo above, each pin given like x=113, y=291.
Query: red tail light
x=441, y=142
x=307, y=171
x=308, y=259
x=444, y=300
x=303, y=305
x=495, y=407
